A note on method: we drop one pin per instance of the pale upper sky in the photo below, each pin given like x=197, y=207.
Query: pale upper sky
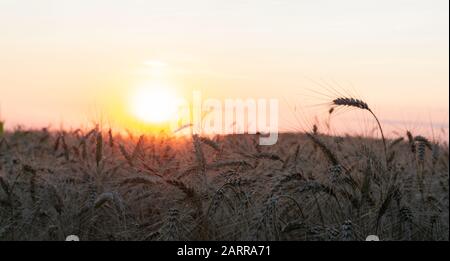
x=71, y=61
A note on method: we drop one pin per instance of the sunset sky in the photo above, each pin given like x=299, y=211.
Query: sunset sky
x=73, y=62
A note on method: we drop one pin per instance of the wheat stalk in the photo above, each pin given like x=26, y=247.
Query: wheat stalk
x=57, y=142
x=111, y=138
x=395, y=142
x=99, y=148
x=357, y=103
x=347, y=233
x=214, y=145
x=139, y=180
x=65, y=148
x=411, y=141
x=2, y=128
x=332, y=158
x=200, y=157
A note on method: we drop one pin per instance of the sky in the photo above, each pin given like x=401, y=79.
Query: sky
x=72, y=62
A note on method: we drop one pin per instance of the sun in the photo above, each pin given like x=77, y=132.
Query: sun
x=154, y=104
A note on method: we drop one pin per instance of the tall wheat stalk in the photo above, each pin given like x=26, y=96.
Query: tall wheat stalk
x=357, y=103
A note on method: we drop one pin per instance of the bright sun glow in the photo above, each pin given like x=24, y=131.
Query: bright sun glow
x=154, y=105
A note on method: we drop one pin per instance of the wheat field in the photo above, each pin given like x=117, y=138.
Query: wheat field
x=101, y=185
